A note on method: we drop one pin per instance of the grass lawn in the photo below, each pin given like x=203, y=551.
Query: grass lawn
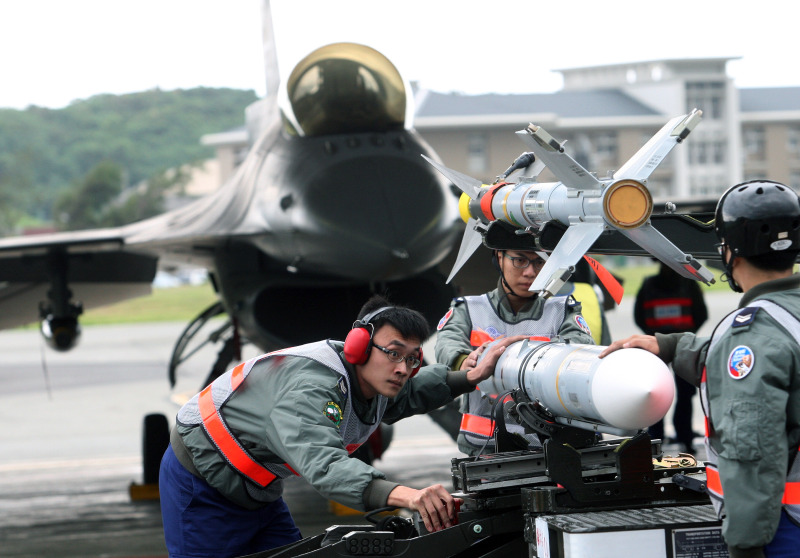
x=634, y=275
x=183, y=303
x=179, y=304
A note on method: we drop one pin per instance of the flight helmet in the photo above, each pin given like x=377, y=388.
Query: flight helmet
x=757, y=218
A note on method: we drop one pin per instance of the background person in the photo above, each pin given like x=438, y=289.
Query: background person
x=749, y=373
x=670, y=303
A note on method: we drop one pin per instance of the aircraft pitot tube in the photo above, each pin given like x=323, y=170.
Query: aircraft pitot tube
x=628, y=390
x=588, y=206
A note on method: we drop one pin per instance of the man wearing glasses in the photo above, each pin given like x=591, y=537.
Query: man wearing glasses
x=472, y=322
x=302, y=411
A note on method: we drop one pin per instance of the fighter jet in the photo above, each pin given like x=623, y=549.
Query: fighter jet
x=588, y=207
x=332, y=203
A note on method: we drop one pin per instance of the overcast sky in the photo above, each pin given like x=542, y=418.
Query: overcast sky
x=56, y=51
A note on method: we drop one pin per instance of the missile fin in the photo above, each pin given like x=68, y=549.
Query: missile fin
x=470, y=186
x=649, y=238
x=571, y=248
x=645, y=161
x=469, y=243
x=564, y=167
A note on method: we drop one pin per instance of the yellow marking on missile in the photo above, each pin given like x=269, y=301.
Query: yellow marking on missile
x=463, y=208
x=509, y=218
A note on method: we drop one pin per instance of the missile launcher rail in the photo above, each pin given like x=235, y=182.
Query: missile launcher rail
x=611, y=482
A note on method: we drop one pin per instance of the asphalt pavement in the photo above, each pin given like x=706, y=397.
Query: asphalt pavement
x=71, y=440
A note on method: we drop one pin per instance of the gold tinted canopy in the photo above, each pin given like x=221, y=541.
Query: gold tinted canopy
x=346, y=88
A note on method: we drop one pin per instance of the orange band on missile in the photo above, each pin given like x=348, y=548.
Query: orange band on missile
x=486, y=201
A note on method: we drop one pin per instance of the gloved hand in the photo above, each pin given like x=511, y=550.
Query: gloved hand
x=736, y=552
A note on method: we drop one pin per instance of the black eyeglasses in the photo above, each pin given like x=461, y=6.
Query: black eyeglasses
x=411, y=361
x=521, y=262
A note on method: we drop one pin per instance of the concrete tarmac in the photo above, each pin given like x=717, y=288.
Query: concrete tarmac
x=70, y=444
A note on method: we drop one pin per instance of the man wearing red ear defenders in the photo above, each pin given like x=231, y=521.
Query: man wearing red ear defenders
x=302, y=411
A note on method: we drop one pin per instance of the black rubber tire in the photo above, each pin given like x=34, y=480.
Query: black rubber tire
x=154, y=443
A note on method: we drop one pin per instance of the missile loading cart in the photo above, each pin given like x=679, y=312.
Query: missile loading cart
x=578, y=497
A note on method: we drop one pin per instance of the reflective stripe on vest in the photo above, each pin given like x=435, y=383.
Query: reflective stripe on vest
x=204, y=409
x=673, y=313
x=474, y=424
x=791, y=492
x=227, y=444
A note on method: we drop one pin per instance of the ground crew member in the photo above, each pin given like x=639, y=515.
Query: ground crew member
x=749, y=373
x=510, y=309
x=301, y=411
x=670, y=303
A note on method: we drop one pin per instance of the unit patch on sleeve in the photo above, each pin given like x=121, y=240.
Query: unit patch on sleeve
x=333, y=412
x=444, y=320
x=741, y=362
x=581, y=321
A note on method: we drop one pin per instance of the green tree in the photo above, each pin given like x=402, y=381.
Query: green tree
x=84, y=206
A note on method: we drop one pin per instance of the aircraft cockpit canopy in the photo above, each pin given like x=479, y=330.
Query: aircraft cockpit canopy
x=344, y=88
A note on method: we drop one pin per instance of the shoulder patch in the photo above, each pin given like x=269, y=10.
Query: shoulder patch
x=342, y=383
x=581, y=322
x=444, y=319
x=333, y=412
x=745, y=316
x=741, y=362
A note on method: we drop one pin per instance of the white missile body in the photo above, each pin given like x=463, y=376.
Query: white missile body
x=630, y=389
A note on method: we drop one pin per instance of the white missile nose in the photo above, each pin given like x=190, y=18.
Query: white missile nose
x=632, y=389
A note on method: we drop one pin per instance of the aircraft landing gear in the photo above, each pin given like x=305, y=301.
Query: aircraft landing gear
x=155, y=439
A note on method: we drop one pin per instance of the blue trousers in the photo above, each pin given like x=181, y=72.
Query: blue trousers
x=786, y=543
x=200, y=522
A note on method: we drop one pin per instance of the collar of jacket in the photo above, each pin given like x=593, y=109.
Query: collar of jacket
x=774, y=286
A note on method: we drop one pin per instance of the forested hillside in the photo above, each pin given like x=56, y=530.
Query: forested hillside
x=45, y=152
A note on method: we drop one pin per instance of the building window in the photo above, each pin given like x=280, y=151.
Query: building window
x=793, y=140
x=718, y=152
x=755, y=142
x=794, y=180
x=698, y=153
x=477, y=153
x=605, y=146
x=708, y=97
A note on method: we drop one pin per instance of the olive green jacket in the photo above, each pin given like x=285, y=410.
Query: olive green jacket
x=756, y=418
x=280, y=414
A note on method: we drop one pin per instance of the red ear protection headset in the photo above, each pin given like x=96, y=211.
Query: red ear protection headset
x=358, y=342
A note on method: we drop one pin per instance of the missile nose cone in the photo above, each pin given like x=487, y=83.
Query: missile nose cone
x=632, y=389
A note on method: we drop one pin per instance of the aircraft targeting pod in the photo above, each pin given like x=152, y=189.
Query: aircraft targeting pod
x=630, y=389
x=588, y=206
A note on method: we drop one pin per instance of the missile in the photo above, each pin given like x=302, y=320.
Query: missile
x=588, y=206
x=628, y=390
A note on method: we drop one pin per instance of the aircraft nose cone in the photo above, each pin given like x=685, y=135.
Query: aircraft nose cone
x=391, y=212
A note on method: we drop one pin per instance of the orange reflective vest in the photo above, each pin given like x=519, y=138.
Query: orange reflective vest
x=206, y=409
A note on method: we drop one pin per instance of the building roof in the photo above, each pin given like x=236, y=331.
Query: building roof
x=769, y=99
x=566, y=104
